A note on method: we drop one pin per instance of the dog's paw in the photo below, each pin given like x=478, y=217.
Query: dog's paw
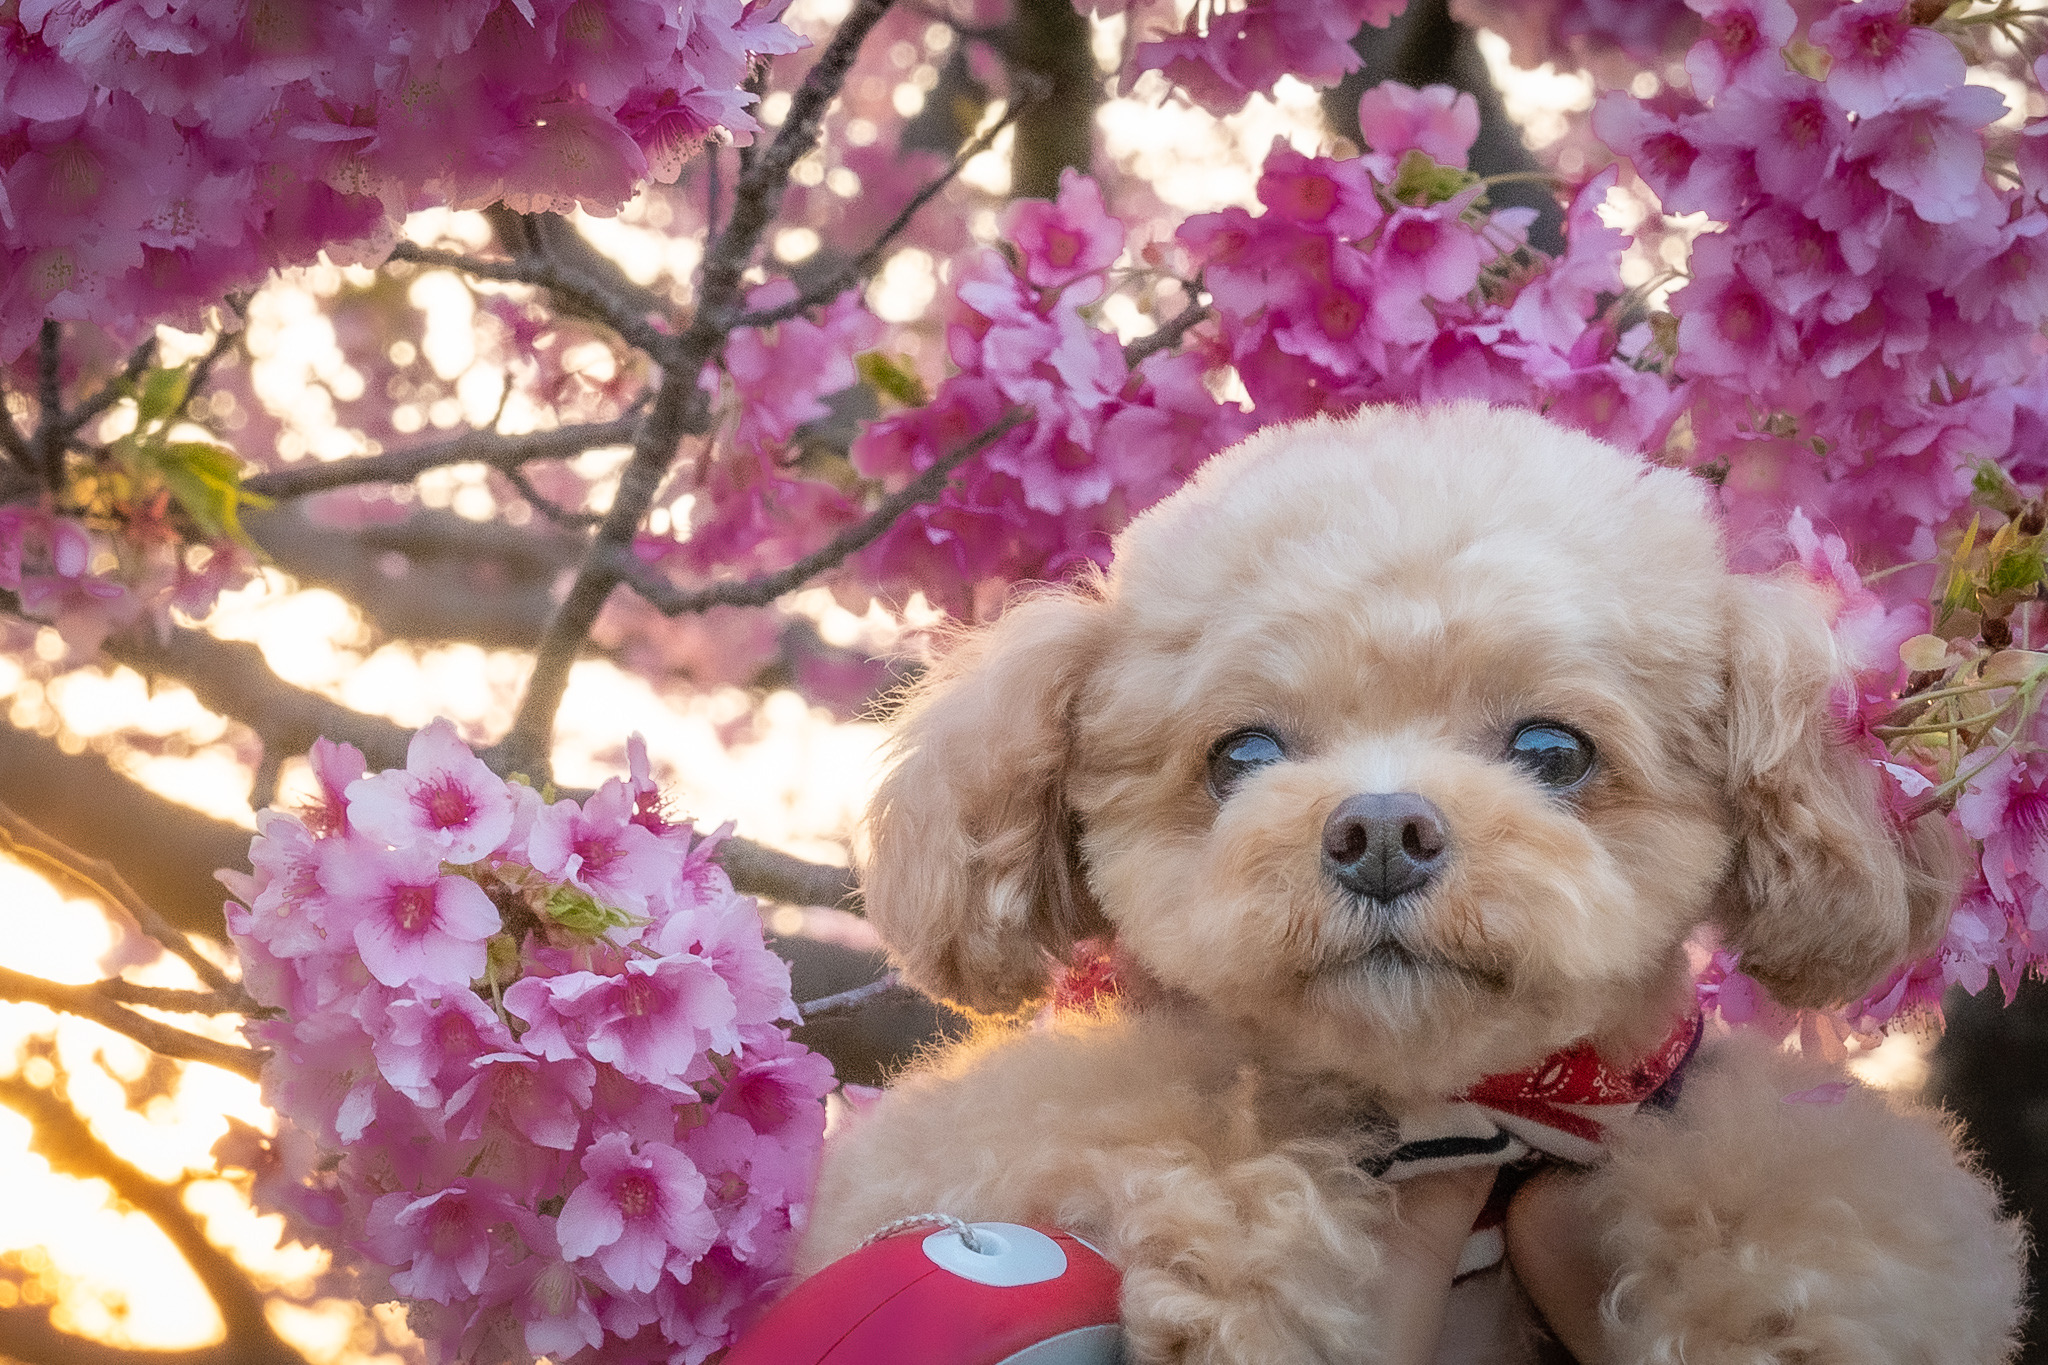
x=1263, y=1261
x=1755, y=1230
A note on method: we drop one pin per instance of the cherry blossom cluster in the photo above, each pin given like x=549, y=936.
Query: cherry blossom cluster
x=1103, y=441
x=154, y=156
x=91, y=580
x=528, y=1059
x=1383, y=277
x=1858, y=340
x=1222, y=57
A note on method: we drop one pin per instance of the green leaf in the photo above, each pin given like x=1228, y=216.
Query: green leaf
x=160, y=395
x=206, y=479
x=582, y=913
x=1994, y=488
x=2013, y=572
x=888, y=377
x=1419, y=180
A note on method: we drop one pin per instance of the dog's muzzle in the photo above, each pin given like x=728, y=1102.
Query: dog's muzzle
x=1383, y=845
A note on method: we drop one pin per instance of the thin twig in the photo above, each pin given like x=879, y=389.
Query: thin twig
x=173, y=1000
x=113, y=391
x=670, y=600
x=238, y=304
x=865, y=264
x=546, y=506
x=50, y=397
x=1167, y=337
x=88, y=1003
x=548, y=274
x=760, y=190
x=98, y=879
x=846, y=1002
x=474, y=447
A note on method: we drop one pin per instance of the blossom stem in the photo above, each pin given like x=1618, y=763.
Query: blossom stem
x=113, y=390
x=1170, y=332
x=2029, y=681
x=2023, y=692
x=50, y=399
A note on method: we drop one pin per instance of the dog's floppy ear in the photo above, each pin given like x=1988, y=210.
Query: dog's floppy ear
x=1825, y=894
x=974, y=875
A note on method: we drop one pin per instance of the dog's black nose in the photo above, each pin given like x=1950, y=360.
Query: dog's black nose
x=1384, y=844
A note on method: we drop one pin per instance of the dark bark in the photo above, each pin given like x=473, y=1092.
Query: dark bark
x=429, y=577
x=1989, y=1072
x=1047, y=45
x=1426, y=46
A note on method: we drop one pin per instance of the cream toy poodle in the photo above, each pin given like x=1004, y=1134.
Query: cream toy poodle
x=1395, y=754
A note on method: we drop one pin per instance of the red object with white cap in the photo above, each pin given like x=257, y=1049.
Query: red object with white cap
x=1000, y=1294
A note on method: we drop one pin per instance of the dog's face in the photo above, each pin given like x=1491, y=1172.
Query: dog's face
x=1418, y=743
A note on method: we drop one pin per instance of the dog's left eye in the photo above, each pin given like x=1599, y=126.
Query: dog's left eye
x=1551, y=754
x=1237, y=755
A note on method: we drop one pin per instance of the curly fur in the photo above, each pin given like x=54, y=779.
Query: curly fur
x=1393, y=595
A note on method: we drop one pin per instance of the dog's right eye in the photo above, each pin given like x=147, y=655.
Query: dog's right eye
x=1237, y=755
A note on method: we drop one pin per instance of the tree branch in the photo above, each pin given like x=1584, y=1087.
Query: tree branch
x=485, y=582
x=757, y=870
x=88, y=1003
x=864, y=265
x=473, y=447
x=98, y=879
x=111, y=392
x=759, y=194
x=49, y=438
x=680, y=405
x=27, y=1335
x=595, y=299
x=177, y=1001
x=1167, y=337
x=846, y=1002
x=670, y=600
x=547, y=506
x=67, y=1141
x=230, y=677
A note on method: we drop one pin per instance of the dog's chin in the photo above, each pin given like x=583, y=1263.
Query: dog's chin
x=1390, y=972
x=1385, y=951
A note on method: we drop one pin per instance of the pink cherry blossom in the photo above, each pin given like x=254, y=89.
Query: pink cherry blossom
x=427, y=1043
x=1066, y=240
x=443, y=1240
x=444, y=799
x=410, y=922
x=1927, y=151
x=599, y=848
x=1741, y=36
x=446, y=1074
x=1882, y=59
x=653, y=1021
x=636, y=1210
x=1319, y=194
x=1437, y=120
